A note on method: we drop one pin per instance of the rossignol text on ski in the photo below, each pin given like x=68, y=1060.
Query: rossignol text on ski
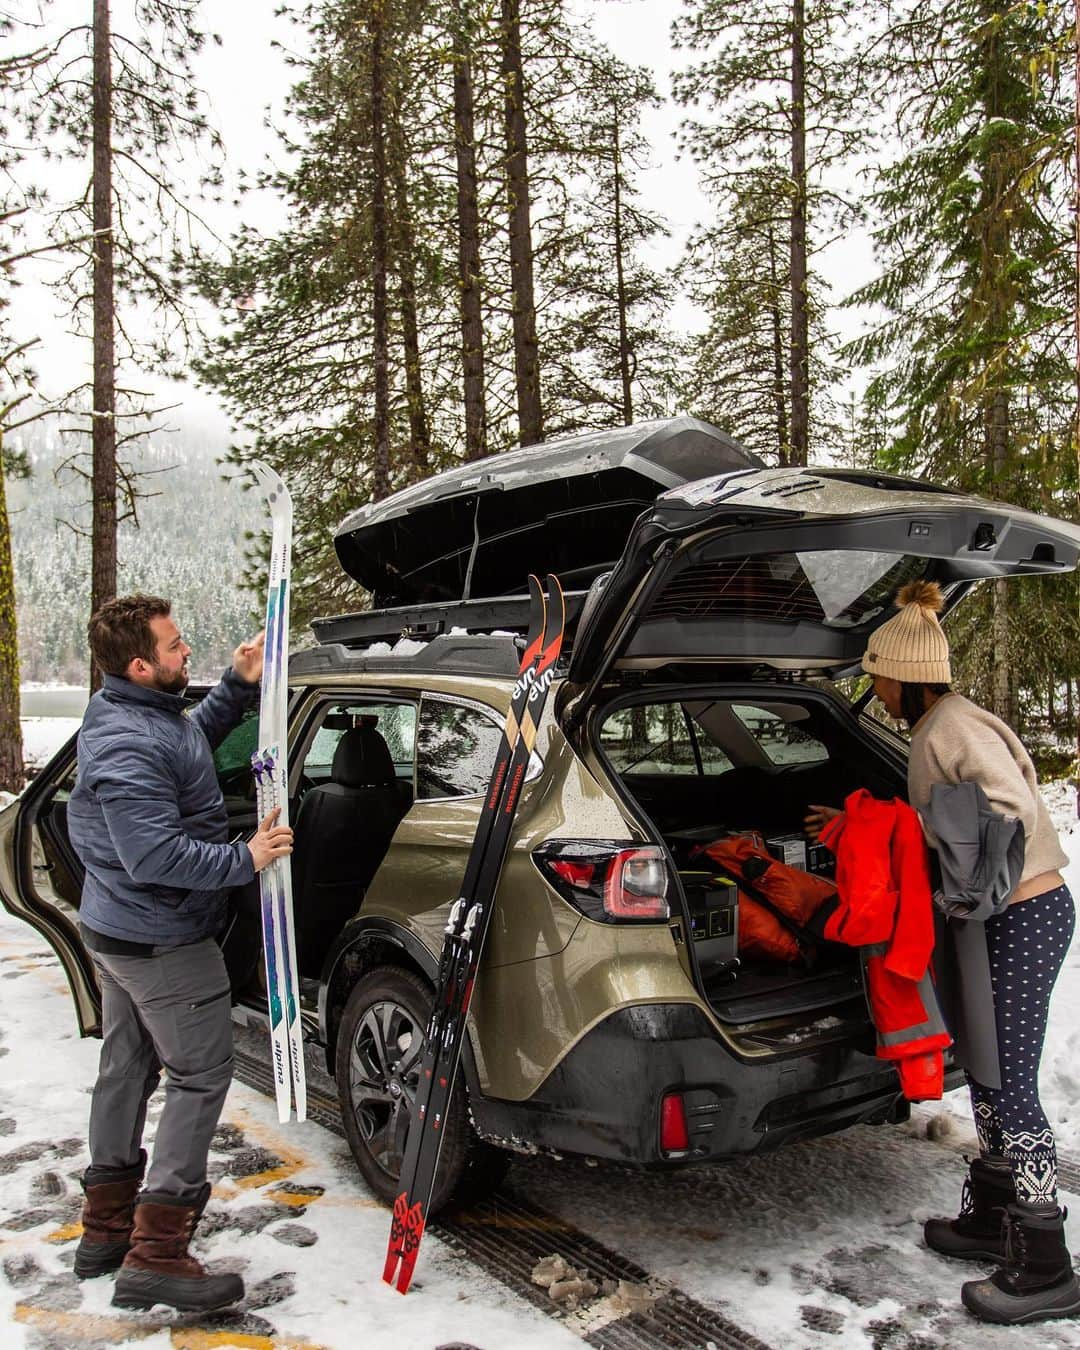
x=270, y=764
x=466, y=930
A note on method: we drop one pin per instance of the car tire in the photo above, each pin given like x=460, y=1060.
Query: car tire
x=377, y=1066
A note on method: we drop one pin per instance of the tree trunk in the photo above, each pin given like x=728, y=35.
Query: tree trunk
x=776, y=319
x=419, y=431
x=526, y=350
x=12, y=770
x=468, y=213
x=103, y=419
x=380, y=486
x=626, y=357
x=1001, y=681
x=800, y=320
x=1076, y=318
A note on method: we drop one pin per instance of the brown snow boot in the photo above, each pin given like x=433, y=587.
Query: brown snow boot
x=978, y=1232
x=160, y=1269
x=107, y=1217
x=1036, y=1281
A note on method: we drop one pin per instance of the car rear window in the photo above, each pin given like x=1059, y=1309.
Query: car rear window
x=781, y=739
x=838, y=587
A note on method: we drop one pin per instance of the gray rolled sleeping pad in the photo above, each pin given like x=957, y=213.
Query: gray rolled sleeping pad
x=980, y=853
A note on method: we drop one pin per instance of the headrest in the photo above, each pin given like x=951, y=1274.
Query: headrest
x=362, y=759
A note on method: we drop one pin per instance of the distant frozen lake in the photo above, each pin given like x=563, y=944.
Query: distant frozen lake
x=53, y=700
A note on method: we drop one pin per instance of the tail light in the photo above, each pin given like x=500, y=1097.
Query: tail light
x=609, y=881
x=674, y=1135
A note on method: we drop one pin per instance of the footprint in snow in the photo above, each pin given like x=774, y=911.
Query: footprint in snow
x=822, y=1319
x=294, y=1235
x=20, y=1270
x=47, y=1186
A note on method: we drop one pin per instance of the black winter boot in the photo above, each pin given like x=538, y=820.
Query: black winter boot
x=160, y=1269
x=107, y=1216
x=978, y=1232
x=1037, y=1280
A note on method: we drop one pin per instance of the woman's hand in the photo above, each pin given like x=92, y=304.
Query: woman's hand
x=817, y=817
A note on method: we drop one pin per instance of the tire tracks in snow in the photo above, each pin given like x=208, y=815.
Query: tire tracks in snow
x=507, y=1235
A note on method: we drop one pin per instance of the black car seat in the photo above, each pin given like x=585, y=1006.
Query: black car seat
x=341, y=835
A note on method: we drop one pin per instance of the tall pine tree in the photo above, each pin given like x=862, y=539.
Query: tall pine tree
x=782, y=87
x=975, y=368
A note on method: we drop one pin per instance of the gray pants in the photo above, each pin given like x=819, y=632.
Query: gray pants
x=170, y=1009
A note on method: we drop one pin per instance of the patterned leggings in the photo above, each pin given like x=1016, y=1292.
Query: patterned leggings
x=1027, y=945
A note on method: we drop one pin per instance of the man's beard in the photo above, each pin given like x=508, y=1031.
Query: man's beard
x=173, y=684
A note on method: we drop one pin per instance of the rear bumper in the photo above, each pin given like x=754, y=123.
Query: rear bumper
x=603, y=1099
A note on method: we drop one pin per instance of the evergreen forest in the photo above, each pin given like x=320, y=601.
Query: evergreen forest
x=463, y=258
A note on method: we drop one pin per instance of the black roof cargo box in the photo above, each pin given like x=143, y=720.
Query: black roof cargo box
x=564, y=506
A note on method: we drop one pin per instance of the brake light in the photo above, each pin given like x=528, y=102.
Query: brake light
x=636, y=885
x=674, y=1135
x=578, y=874
x=608, y=880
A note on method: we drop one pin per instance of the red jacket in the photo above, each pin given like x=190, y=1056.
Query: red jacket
x=885, y=909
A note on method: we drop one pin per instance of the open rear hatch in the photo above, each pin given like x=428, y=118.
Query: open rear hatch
x=789, y=569
x=795, y=568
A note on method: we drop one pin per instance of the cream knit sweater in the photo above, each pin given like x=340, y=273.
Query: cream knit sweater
x=956, y=742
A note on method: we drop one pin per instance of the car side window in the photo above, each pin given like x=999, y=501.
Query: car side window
x=455, y=750
x=232, y=758
x=660, y=738
x=395, y=722
x=782, y=740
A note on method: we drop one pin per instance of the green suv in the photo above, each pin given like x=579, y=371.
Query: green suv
x=713, y=603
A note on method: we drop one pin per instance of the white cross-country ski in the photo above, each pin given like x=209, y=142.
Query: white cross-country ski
x=270, y=763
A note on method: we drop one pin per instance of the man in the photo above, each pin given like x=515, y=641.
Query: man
x=148, y=820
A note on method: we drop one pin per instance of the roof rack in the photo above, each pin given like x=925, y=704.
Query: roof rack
x=461, y=637
x=459, y=654
x=503, y=614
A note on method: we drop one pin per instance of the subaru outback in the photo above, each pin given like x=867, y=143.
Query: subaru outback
x=713, y=604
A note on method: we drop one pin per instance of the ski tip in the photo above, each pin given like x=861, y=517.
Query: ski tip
x=408, y=1265
x=267, y=479
x=555, y=591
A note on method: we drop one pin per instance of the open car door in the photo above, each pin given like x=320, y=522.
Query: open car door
x=41, y=876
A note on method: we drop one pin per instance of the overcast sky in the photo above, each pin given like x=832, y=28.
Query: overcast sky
x=247, y=82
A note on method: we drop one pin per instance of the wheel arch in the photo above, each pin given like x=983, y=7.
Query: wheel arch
x=363, y=946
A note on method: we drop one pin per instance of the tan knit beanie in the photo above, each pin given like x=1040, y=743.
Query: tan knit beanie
x=912, y=646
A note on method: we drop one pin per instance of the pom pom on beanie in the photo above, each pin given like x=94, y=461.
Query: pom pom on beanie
x=925, y=594
x=912, y=646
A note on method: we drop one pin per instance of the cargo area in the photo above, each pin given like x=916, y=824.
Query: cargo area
x=705, y=765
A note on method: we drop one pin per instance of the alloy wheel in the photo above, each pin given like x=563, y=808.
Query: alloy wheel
x=384, y=1068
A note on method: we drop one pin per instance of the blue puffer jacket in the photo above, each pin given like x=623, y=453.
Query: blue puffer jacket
x=147, y=816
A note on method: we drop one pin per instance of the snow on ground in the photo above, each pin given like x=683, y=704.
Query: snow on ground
x=818, y=1245
x=42, y=737
x=289, y=1211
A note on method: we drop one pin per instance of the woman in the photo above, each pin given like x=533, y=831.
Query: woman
x=1009, y=1212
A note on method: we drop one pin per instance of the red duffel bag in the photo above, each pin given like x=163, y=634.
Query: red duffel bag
x=776, y=903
